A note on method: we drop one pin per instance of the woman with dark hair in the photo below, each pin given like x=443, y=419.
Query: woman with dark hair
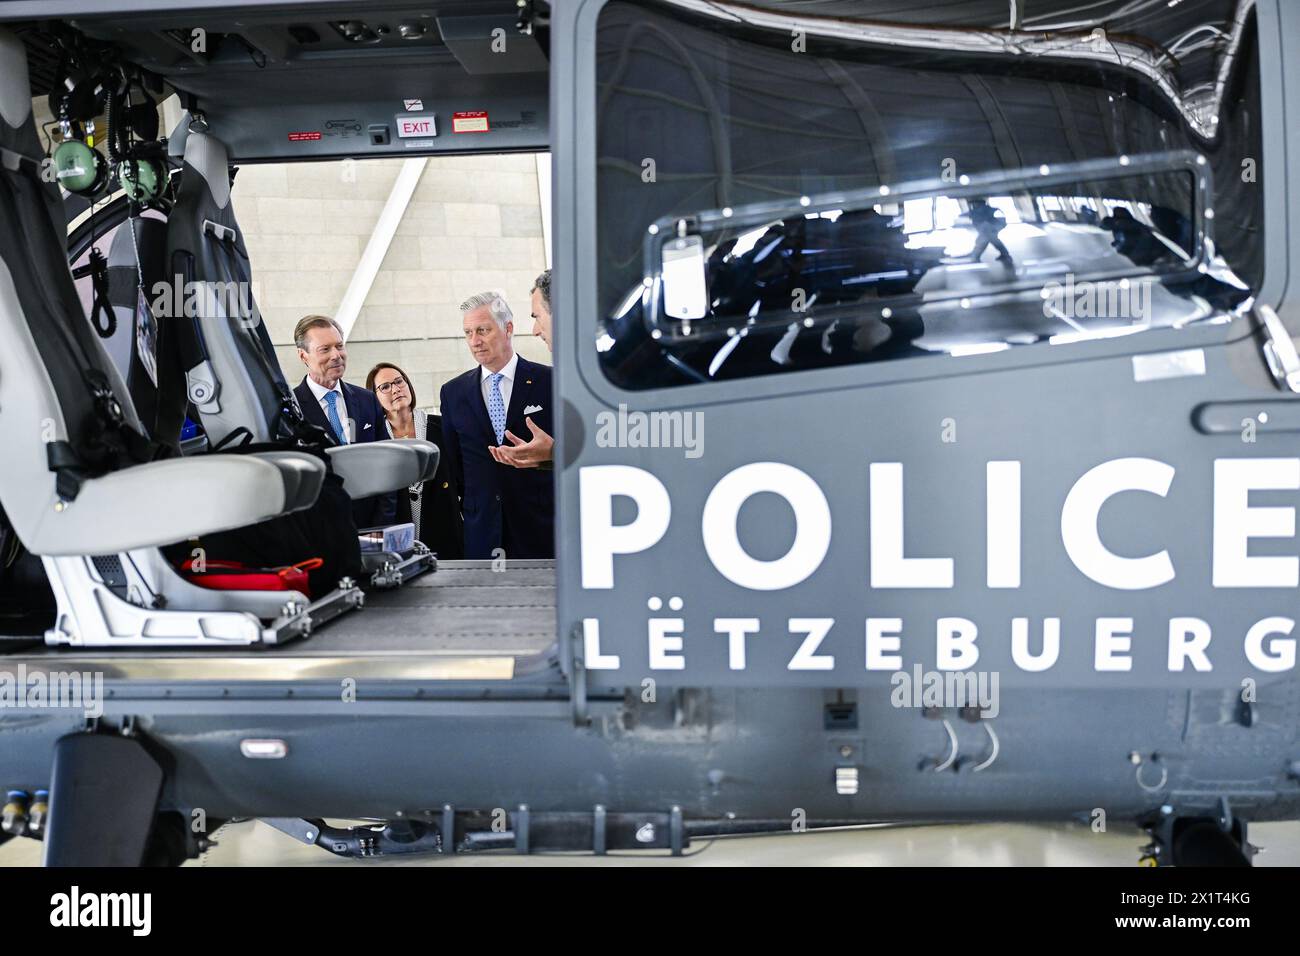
x=432, y=506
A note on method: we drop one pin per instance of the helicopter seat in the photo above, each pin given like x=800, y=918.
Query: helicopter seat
x=234, y=379
x=233, y=376
x=84, y=486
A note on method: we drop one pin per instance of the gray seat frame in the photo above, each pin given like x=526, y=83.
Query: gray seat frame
x=131, y=511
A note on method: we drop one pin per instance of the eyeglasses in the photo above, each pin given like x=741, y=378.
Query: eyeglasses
x=384, y=389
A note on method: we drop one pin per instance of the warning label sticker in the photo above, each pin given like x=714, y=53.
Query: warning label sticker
x=408, y=126
x=472, y=121
x=304, y=137
x=412, y=106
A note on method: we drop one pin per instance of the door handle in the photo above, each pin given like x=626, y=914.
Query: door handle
x=1269, y=415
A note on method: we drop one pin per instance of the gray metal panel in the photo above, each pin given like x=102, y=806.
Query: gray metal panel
x=262, y=133
x=1059, y=410
x=752, y=753
x=470, y=39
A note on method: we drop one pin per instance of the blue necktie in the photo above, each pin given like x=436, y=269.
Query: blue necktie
x=336, y=423
x=497, y=407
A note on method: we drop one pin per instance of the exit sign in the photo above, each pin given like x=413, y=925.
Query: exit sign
x=411, y=124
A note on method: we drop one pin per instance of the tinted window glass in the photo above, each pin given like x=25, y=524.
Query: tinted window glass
x=769, y=204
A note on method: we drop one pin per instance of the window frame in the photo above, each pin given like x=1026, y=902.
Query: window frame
x=1194, y=166
x=574, y=145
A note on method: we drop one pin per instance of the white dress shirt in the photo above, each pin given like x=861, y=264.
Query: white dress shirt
x=320, y=391
x=507, y=381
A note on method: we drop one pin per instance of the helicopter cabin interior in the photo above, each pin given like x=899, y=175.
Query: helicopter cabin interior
x=181, y=104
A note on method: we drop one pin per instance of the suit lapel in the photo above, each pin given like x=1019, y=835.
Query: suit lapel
x=358, y=402
x=311, y=409
x=474, y=395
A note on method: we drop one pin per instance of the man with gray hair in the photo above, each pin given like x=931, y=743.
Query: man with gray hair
x=506, y=509
x=346, y=413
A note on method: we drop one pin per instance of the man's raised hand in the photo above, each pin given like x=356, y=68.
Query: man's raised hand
x=525, y=454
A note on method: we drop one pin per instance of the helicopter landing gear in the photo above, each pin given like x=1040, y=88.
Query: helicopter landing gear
x=1178, y=840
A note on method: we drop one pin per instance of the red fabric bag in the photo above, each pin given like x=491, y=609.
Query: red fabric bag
x=233, y=576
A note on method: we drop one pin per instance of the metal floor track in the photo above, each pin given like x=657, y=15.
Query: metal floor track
x=464, y=621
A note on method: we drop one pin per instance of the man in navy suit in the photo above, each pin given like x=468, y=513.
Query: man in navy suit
x=347, y=413
x=508, y=508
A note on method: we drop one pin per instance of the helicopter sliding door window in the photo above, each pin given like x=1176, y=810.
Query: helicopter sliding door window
x=776, y=195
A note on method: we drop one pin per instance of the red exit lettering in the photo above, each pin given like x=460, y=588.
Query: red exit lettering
x=416, y=127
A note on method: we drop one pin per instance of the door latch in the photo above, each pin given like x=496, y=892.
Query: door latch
x=1279, y=350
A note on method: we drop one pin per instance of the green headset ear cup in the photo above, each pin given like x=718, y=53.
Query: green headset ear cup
x=79, y=168
x=143, y=179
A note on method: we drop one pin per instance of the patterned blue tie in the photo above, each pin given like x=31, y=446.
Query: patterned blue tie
x=497, y=407
x=336, y=423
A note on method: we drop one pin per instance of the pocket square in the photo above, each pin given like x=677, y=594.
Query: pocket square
x=365, y=426
x=532, y=409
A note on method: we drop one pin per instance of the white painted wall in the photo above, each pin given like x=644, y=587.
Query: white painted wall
x=471, y=223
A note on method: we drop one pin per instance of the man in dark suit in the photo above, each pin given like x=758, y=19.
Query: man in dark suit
x=539, y=450
x=347, y=413
x=508, y=508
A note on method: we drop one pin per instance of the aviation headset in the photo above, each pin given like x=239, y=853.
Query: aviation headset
x=78, y=166
x=138, y=160
x=140, y=167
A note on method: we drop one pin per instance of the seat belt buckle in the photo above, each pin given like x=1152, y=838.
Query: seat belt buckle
x=203, y=389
